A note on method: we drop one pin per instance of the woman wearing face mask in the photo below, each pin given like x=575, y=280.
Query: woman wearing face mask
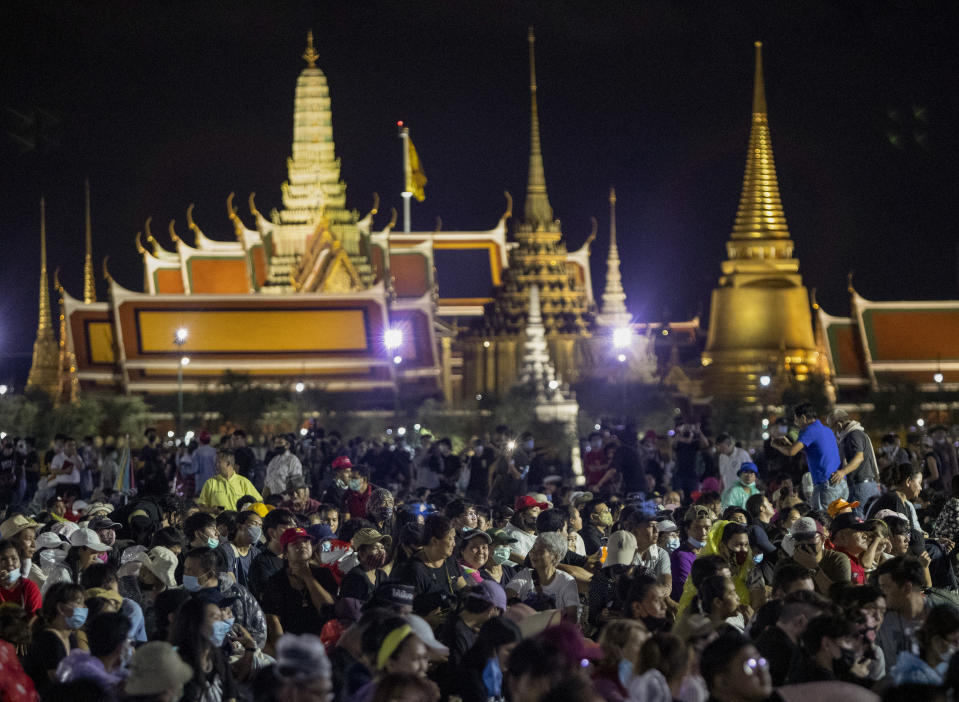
x=371, y=550
x=199, y=630
x=55, y=633
x=696, y=524
x=498, y=567
x=730, y=540
x=243, y=546
x=621, y=640
x=13, y=586
x=668, y=538
x=938, y=642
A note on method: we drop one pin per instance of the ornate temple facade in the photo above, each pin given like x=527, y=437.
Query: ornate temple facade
x=760, y=322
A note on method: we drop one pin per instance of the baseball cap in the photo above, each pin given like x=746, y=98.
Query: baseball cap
x=541, y=498
x=15, y=524
x=468, y=534
x=698, y=512
x=292, y=535
x=88, y=538
x=80, y=505
x=394, y=593
x=805, y=528
x=319, y=532
x=571, y=643
x=296, y=482
x=156, y=668
x=99, y=523
x=837, y=506
x=342, y=463
x=104, y=593
x=489, y=592
x=620, y=548
x=424, y=631
x=500, y=537
x=847, y=520
x=748, y=467
x=890, y=514
x=368, y=537
x=99, y=508
x=528, y=502
x=668, y=525
x=578, y=498
x=301, y=658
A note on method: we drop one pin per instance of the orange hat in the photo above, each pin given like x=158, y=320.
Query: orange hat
x=838, y=506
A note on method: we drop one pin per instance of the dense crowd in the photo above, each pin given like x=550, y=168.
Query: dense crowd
x=679, y=567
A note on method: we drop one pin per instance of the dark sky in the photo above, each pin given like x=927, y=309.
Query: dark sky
x=166, y=103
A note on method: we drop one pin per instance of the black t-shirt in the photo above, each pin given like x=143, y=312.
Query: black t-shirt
x=686, y=457
x=424, y=579
x=355, y=584
x=458, y=636
x=45, y=653
x=294, y=607
x=780, y=651
x=592, y=538
x=220, y=674
x=855, y=442
x=264, y=566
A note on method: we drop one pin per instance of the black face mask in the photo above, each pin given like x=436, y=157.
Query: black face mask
x=847, y=659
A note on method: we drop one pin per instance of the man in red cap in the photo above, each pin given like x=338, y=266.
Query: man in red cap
x=335, y=492
x=299, y=598
x=522, y=526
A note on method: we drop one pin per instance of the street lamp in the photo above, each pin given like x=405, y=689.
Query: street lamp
x=184, y=361
x=179, y=338
x=299, y=387
x=938, y=378
x=393, y=338
x=621, y=337
x=765, y=380
x=3, y=389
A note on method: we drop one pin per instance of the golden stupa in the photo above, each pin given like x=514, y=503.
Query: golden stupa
x=760, y=322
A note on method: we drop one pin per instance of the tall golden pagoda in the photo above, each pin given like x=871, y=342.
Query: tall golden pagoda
x=494, y=352
x=760, y=322
x=45, y=368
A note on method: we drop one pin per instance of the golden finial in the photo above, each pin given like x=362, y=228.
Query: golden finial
x=253, y=211
x=89, y=286
x=849, y=286
x=146, y=227
x=142, y=251
x=234, y=217
x=171, y=228
x=812, y=298
x=439, y=223
x=508, y=214
x=759, y=88
x=189, y=219
x=106, y=273
x=56, y=281
x=392, y=222
x=310, y=55
x=593, y=228
x=376, y=203
x=537, y=212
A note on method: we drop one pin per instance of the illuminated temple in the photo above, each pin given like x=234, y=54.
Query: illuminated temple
x=314, y=293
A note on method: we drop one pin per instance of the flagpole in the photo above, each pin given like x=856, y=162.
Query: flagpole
x=407, y=177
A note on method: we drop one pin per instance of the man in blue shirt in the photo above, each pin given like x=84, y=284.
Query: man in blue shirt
x=822, y=455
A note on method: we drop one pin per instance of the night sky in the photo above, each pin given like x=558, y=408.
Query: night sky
x=164, y=104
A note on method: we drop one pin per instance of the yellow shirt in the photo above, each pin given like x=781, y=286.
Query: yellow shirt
x=224, y=492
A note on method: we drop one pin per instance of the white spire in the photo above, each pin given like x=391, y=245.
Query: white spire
x=614, y=312
x=538, y=371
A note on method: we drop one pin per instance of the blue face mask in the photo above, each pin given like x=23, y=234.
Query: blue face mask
x=758, y=558
x=220, y=630
x=254, y=532
x=356, y=484
x=78, y=618
x=493, y=678
x=694, y=543
x=191, y=583
x=212, y=542
x=624, y=670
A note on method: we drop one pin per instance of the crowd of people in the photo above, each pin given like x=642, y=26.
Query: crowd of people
x=677, y=567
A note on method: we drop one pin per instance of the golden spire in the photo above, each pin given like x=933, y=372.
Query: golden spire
x=89, y=287
x=45, y=368
x=310, y=55
x=44, y=327
x=760, y=214
x=537, y=212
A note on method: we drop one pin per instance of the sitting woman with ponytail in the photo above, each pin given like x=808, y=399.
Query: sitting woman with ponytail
x=198, y=632
x=55, y=633
x=730, y=541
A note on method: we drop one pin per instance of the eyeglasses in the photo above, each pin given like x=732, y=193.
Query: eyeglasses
x=751, y=665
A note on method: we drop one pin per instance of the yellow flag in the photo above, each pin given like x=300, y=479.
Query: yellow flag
x=417, y=178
